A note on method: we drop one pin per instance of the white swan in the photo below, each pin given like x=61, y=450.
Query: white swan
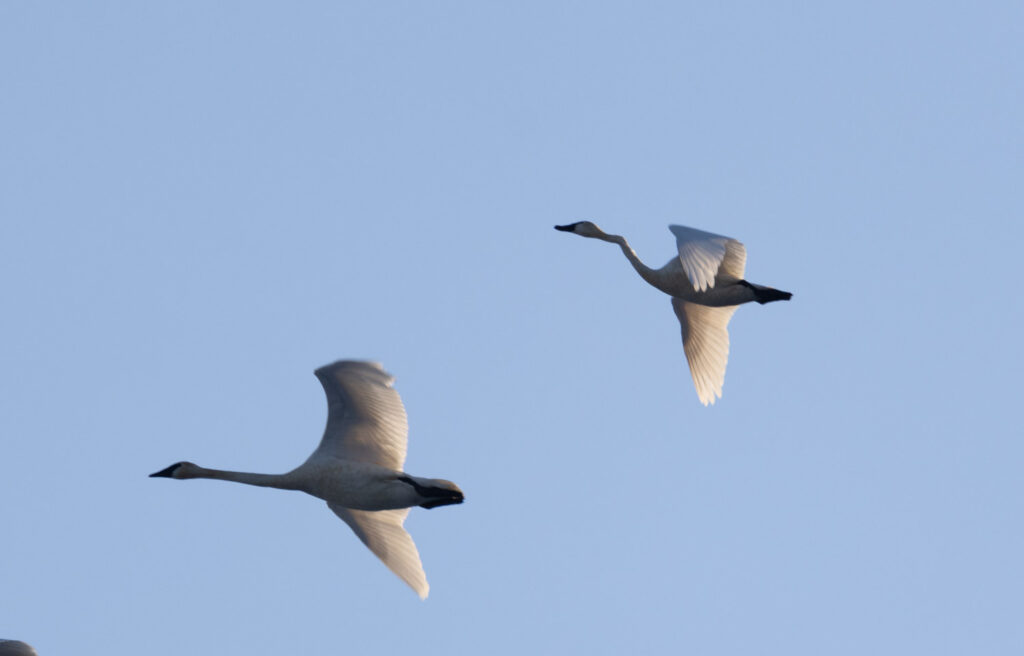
x=357, y=469
x=16, y=648
x=706, y=284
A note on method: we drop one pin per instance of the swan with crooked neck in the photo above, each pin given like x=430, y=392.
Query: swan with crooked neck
x=705, y=281
x=357, y=468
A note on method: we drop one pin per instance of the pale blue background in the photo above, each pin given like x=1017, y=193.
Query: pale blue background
x=201, y=202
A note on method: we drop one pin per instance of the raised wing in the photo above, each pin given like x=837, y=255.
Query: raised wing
x=365, y=417
x=706, y=343
x=705, y=255
x=383, y=533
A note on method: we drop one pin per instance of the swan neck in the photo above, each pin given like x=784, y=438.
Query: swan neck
x=280, y=481
x=646, y=272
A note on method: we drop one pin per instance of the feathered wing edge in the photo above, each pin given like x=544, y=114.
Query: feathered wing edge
x=383, y=533
x=705, y=255
x=366, y=419
x=706, y=344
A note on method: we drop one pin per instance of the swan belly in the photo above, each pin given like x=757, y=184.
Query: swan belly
x=358, y=485
x=721, y=295
x=724, y=293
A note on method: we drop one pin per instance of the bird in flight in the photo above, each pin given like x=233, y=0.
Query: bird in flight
x=705, y=281
x=357, y=469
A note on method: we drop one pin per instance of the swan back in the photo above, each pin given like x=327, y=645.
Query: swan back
x=366, y=420
x=705, y=255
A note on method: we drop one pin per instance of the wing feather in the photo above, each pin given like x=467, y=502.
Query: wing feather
x=383, y=533
x=366, y=420
x=705, y=255
x=16, y=648
x=706, y=344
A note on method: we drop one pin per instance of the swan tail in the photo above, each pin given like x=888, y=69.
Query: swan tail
x=764, y=294
x=434, y=492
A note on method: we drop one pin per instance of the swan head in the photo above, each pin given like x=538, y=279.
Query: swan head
x=177, y=470
x=583, y=229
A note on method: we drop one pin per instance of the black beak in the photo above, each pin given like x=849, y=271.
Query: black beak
x=567, y=228
x=166, y=473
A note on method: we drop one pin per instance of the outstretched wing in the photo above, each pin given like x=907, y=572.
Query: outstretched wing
x=706, y=343
x=365, y=417
x=383, y=533
x=705, y=255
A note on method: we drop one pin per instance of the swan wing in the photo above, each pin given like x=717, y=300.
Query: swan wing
x=383, y=533
x=705, y=255
x=16, y=648
x=365, y=417
x=706, y=343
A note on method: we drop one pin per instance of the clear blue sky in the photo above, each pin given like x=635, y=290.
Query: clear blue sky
x=202, y=202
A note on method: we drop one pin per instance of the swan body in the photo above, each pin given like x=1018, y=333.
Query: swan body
x=357, y=468
x=705, y=281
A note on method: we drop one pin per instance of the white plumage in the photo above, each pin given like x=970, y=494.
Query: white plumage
x=705, y=256
x=357, y=468
x=706, y=344
x=706, y=284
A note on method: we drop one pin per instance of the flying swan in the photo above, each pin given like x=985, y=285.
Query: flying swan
x=706, y=284
x=357, y=469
